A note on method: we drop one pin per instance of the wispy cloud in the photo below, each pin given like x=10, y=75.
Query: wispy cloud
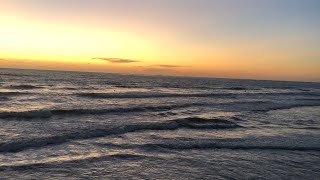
x=117, y=60
x=167, y=66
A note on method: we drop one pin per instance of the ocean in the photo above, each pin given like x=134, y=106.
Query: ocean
x=78, y=125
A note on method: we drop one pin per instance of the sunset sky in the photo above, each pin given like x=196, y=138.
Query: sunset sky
x=256, y=39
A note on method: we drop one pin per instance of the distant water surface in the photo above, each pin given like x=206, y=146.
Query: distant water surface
x=93, y=125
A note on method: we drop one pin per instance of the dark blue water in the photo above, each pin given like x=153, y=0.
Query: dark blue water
x=77, y=125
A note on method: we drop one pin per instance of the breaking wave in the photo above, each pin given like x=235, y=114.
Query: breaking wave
x=189, y=123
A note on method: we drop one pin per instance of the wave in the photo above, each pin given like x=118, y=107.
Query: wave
x=189, y=123
x=23, y=86
x=279, y=94
x=304, y=93
x=49, y=113
x=251, y=106
x=71, y=160
x=202, y=123
x=308, y=99
x=136, y=86
x=44, y=113
x=211, y=145
x=238, y=88
x=148, y=95
x=136, y=95
x=27, y=114
x=4, y=98
x=283, y=107
x=17, y=75
x=13, y=93
x=241, y=147
x=70, y=88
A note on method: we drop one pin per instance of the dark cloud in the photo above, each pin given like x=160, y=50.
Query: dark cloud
x=117, y=60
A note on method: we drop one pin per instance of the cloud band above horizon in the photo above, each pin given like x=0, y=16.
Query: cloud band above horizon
x=117, y=60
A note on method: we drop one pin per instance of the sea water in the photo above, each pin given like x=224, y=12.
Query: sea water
x=79, y=125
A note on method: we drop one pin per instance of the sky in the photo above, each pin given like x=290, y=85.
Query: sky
x=252, y=39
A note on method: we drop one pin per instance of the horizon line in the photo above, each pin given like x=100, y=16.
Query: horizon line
x=180, y=76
